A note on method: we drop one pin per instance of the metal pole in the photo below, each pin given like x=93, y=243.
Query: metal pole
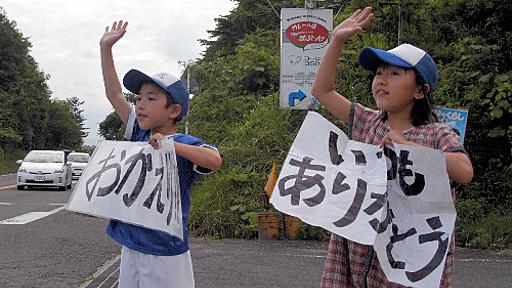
x=188, y=88
x=310, y=4
x=401, y=20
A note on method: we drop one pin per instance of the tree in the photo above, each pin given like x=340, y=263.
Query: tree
x=24, y=91
x=77, y=112
x=112, y=128
x=65, y=131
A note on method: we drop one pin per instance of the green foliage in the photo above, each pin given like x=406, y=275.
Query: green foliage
x=8, y=157
x=65, y=131
x=77, y=113
x=475, y=229
x=29, y=119
x=236, y=105
x=112, y=128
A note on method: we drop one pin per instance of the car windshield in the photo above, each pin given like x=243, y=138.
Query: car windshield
x=78, y=158
x=43, y=157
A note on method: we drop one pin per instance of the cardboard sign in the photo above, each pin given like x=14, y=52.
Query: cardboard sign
x=133, y=183
x=396, y=199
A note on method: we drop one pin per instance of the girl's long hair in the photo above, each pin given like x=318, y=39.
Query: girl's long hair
x=422, y=110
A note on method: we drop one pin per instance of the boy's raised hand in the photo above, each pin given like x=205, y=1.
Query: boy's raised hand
x=112, y=35
x=353, y=24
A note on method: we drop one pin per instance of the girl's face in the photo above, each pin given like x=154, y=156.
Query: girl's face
x=395, y=88
x=152, y=112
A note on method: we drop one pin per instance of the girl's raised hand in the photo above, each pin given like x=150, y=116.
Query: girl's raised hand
x=112, y=35
x=353, y=24
x=395, y=136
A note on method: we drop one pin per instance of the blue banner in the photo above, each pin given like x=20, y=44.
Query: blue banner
x=455, y=118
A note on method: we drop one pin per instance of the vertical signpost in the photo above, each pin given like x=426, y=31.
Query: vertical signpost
x=305, y=34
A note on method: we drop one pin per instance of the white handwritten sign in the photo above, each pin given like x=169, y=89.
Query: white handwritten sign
x=397, y=200
x=133, y=183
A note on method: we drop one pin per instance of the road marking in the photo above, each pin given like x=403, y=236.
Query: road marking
x=484, y=260
x=29, y=217
x=7, y=187
x=106, y=273
x=113, y=274
x=6, y=203
x=7, y=175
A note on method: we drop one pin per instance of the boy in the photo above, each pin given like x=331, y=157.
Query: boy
x=151, y=258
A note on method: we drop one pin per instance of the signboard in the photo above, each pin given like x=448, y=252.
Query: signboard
x=397, y=199
x=133, y=183
x=305, y=34
x=455, y=118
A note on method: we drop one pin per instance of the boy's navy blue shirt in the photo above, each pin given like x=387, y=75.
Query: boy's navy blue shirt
x=151, y=241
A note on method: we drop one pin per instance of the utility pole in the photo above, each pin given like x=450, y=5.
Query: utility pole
x=310, y=4
x=402, y=18
x=188, y=88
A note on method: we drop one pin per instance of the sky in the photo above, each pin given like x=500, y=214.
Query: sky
x=65, y=38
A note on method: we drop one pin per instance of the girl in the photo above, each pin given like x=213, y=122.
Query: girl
x=404, y=80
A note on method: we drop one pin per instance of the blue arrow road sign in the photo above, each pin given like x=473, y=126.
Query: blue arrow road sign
x=299, y=95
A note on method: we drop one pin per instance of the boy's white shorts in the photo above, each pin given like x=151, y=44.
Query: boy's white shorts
x=140, y=270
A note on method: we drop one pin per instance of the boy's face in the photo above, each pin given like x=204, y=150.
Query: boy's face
x=395, y=88
x=152, y=112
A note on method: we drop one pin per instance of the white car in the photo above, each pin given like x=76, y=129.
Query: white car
x=44, y=168
x=78, y=162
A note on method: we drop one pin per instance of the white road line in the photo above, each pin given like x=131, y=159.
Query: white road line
x=305, y=256
x=29, y=217
x=115, y=284
x=6, y=203
x=108, y=277
x=7, y=187
x=102, y=269
x=484, y=260
x=8, y=175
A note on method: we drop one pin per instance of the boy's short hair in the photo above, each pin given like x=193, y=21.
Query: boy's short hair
x=404, y=56
x=134, y=79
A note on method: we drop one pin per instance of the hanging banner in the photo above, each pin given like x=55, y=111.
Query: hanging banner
x=133, y=183
x=305, y=34
x=396, y=199
x=455, y=118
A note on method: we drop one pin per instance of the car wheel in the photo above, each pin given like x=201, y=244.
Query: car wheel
x=62, y=188
x=20, y=187
x=69, y=186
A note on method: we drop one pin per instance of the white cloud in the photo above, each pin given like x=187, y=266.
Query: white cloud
x=65, y=38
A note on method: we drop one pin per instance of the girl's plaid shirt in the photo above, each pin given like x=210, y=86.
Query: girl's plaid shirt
x=348, y=263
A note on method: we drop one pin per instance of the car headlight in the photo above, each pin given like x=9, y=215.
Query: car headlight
x=58, y=171
x=22, y=170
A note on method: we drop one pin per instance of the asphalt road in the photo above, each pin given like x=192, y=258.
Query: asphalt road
x=65, y=249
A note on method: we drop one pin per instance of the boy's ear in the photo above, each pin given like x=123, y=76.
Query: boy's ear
x=174, y=111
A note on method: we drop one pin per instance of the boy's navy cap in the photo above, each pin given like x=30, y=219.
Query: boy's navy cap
x=133, y=80
x=405, y=56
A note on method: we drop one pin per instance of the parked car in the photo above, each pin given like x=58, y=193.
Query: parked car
x=78, y=162
x=44, y=168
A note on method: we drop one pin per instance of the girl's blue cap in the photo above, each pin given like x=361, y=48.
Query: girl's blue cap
x=405, y=56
